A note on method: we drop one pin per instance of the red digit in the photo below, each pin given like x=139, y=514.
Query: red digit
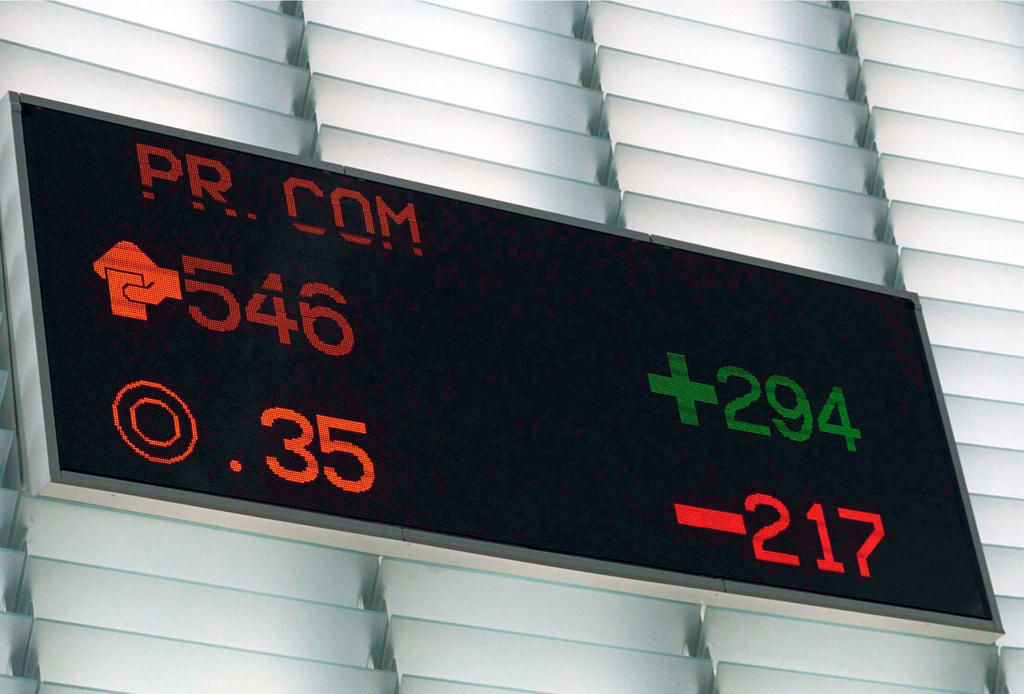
x=297, y=445
x=234, y=314
x=324, y=425
x=878, y=532
x=310, y=315
x=279, y=318
x=770, y=530
x=828, y=562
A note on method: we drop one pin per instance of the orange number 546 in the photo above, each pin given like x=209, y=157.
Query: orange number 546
x=299, y=445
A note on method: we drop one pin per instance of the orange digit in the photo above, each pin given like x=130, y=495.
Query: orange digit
x=328, y=445
x=297, y=445
x=234, y=315
x=310, y=314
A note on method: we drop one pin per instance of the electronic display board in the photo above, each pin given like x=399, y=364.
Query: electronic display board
x=258, y=328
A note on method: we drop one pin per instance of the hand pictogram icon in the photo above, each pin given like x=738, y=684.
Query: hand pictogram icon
x=135, y=281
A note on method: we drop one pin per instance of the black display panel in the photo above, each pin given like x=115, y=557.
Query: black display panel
x=257, y=329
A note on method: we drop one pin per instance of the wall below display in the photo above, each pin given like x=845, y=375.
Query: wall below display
x=779, y=87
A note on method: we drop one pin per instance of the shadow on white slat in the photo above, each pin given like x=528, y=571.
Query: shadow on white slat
x=727, y=96
x=994, y=21
x=748, y=192
x=939, y=51
x=738, y=144
x=796, y=22
x=930, y=94
x=89, y=595
x=953, y=278
x=437, y=76
x=429, y=123
x=230, y=24
x=993, y=471
x=11, y=564
x=957, y=233
x=10, y=684
x=52, y=76
x=952, y=187
x=986, y=422
x=14, y=635
x=463, y=35
x=837, y=254
x=541, y=608
x=735, y=678
x=189, y=551
x=124, y=661
x=468, y=175
x=559, y=17
x=883, y=656
x=947, y=142
x=980, y=374
x=714, y=48
x=507, y=659
x=156, y=55
x=8, y=504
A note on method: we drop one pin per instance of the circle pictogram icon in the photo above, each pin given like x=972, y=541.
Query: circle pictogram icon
x=155, y=422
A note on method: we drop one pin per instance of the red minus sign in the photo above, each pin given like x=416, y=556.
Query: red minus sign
x=709, y=518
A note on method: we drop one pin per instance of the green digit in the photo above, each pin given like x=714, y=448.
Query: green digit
x=802, y=409
x=837, y=401
x=743, y=401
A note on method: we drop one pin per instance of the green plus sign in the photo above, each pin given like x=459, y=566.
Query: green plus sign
x=679, y=386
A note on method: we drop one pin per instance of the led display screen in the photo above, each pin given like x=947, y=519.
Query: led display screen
x=256, y=329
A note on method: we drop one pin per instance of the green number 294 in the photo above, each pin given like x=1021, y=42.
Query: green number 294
x=786, y=424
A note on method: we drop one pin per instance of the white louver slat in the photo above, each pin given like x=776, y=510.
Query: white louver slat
x=915, y=661
x=155, y=55
x=53, y=76
x=728, y=96
x=523, y=661
x=724, y=50
x=456, y=129
x=462, y=35
x=233, y=25
x=433, y=75
x=796, y=22
x=837, y=254
x=709, y=184
x=999, y=21
x=738, y=144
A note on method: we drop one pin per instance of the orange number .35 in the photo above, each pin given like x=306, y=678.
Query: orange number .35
x=299, y=445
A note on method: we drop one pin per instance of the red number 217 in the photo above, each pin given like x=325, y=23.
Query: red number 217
x=817, y=515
